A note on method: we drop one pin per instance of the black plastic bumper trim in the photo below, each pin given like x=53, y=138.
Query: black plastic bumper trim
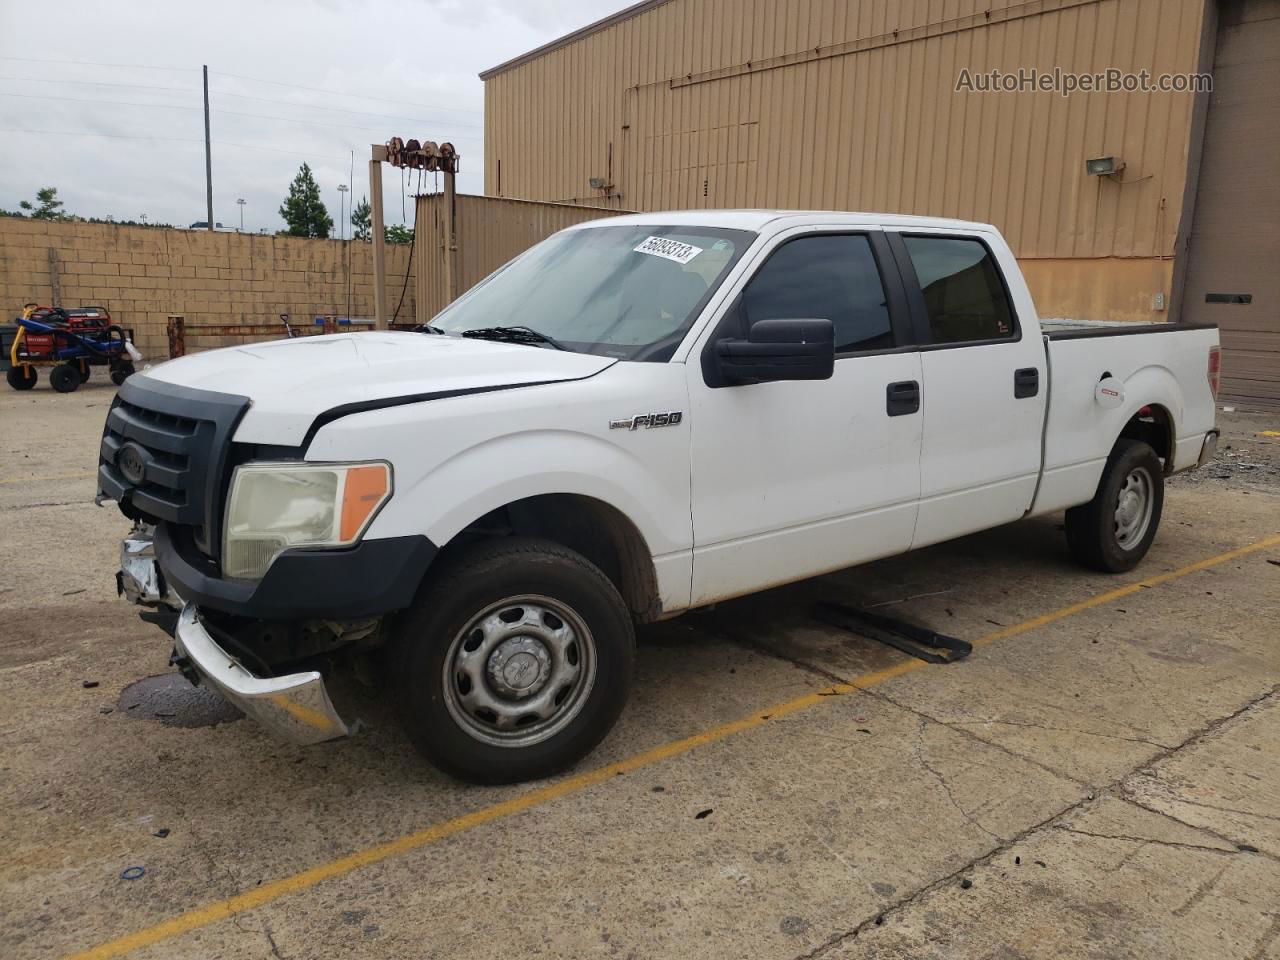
x=370, y=579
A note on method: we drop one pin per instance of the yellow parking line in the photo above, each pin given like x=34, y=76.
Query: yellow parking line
x=267, y=892
x=56, y=476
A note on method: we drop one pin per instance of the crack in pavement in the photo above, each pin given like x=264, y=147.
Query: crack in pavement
x=1200, y=893
x=898, y=906
x=1123, y=795
x=1213, y=806
x=1044, y=726
x=1130, y=838
x=1111, y=788
x=877, y=694
x=918, y=752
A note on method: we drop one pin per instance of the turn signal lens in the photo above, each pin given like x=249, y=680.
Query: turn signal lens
x=363, y=493
x=1215, y=370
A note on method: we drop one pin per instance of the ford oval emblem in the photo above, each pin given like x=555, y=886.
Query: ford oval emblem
x=132, y=461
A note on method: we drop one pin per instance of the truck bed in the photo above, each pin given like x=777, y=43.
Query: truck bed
x=1078, y=329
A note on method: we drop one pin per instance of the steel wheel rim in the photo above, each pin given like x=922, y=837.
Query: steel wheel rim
x=1134, y=507
x=520, y=671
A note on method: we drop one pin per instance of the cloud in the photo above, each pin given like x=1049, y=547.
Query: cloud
x=115, y=122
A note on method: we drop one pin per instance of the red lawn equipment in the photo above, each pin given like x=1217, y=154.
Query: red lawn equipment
x=70, y=341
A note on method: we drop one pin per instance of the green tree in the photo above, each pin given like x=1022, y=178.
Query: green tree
x=398, y=233
x=46, y=207
x=360, y=220
x=303, y=210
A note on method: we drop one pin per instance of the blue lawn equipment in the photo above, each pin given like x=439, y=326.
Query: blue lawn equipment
x=70, y=342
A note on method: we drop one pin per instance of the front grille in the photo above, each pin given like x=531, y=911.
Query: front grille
x=183, y=437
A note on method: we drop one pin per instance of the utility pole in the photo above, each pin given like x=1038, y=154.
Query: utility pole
x=241, y=203
x=208, y=154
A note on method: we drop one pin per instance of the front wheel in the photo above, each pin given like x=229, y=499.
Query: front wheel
x=1114, y=530
x=21, y=377
x=513, y=663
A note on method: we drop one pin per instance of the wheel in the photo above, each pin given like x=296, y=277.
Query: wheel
x=513, y=663
x=82, y=368
x=1114, y=530
x=65, y=377
x=21, y=377
x=121, y=372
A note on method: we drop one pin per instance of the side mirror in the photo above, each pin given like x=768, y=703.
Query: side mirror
x=790, y=349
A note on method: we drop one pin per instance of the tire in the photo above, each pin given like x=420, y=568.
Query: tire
x=21, y=377
x=1114, y=530
x=121, y=372
x=83, y=370
x=503, y=618
x=65, y=377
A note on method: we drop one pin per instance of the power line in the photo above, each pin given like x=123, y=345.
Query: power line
x=91, y=63
x=245, y=96
x=105, y=83
x=126, y=136
x=338, y=93
x=184, y=106
x=277, y=83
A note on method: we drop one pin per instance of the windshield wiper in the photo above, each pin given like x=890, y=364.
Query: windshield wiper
x=516, y=334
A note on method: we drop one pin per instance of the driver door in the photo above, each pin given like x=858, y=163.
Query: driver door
x=795, y=478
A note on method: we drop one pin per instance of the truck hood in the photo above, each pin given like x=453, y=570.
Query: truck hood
x=292, y=382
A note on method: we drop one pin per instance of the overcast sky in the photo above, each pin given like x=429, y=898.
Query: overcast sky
x=103, y=100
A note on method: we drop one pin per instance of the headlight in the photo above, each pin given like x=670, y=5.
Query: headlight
x=275, y=506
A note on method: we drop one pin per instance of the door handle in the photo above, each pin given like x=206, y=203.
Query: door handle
x=902, y=398
x=1026, y=383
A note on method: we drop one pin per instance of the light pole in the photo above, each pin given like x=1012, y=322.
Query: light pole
x=342, y=196
x=240, y=204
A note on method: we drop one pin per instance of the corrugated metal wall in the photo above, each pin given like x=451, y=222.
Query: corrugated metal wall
x=490, y=231
x=851, y=104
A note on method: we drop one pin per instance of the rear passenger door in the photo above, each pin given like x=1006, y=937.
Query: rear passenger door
x=983, y=385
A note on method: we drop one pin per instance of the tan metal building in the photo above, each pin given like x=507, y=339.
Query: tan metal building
x=854, y=104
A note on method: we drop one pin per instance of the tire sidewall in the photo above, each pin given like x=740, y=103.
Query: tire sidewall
x=425, y=634
x=64, y=378
x=1124, y=461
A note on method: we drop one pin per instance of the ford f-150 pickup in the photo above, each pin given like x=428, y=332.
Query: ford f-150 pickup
x=638, y=416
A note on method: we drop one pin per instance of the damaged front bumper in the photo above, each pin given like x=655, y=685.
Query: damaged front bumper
x=139, y=579
x=294, y=707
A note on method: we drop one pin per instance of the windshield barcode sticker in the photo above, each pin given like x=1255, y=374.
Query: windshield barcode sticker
x=669, y=249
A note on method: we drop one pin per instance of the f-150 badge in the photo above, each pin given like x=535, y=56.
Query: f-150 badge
x=647, y=420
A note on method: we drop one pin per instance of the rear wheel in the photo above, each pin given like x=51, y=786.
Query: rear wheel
x=1114, y=530
x=65, y=377
x=21, y=377
x=83, y=370
x=121, y=372
x=513, y=663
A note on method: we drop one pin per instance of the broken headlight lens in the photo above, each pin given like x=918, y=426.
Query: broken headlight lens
x=275, y=506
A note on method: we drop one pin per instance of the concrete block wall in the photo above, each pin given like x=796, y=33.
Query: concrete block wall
x=141, y=275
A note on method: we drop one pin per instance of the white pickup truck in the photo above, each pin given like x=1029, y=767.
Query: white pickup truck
x=636, y=417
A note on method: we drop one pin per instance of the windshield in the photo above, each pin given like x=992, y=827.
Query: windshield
x=624, y=291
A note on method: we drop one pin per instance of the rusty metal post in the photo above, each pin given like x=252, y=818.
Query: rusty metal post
x=177, y=328
x=379, y=239
x=450, y=236
x=330, y=325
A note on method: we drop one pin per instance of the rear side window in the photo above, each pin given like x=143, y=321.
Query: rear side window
x=963, y=293
x=831, y=277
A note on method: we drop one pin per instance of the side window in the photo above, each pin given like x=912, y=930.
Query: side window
x=831, y=277
x=963, y=292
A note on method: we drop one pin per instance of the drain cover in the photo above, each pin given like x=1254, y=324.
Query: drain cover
x=170, y=699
